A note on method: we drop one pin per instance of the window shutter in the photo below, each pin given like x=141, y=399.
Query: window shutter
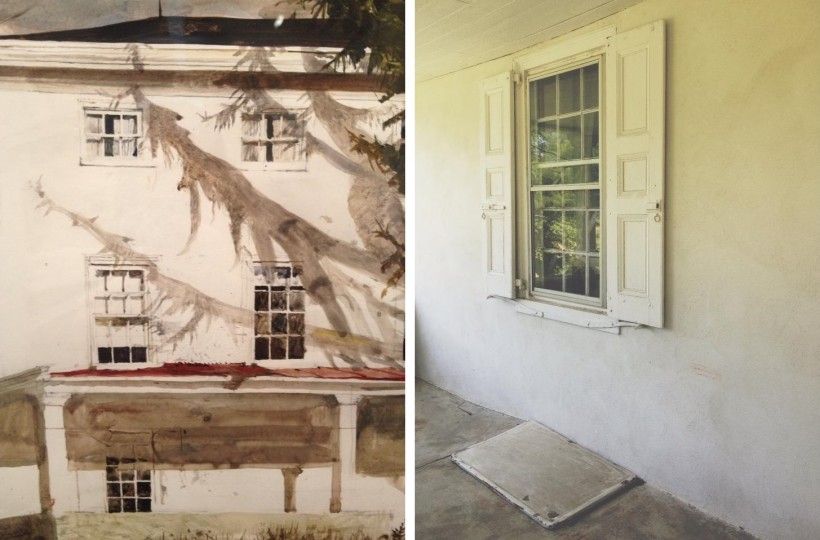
x=497, y=183
x=635, y=174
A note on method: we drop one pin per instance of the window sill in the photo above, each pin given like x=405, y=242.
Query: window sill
x=564, y=314
x=291, y=166
x=118, y=163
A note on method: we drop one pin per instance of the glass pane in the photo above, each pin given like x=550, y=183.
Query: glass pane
x=110, y=147
x=138, y=333
x=296, y=324
x=93, y=148
x=594, y=277
x=110, y=127
x=574, y=199
x=122, y=355
x=279, y=323
x=285, y=151
x=553, y=272
x=544, y=93
x=594, y=231
x=119, y=333
x=570, y=132
x=544, y=142
x=278, y=348
x=573, y=175
x=296, y=347
x=590, y=82
x=297, y=301
x=250, y=152
x=250, y=125
x=139, y=354
x=545, y=177
x=573, y=227
x=129, y=147
x=270, y=121
x=261, y=348
x=591, y=135
x=262, y=324
x=129, y=124
x=569, y=91
x=553, y=234
x=133, y=281
x=260, y=301
x=575, y=274
x=93, y=123
x=279, y=301
x=592, y=173
x=104, y=355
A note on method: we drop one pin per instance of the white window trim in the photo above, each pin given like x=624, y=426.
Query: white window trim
x=556, y=58
x=143, y=160
x=300, y=165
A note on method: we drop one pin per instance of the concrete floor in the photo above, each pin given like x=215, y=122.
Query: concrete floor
x=452, y=505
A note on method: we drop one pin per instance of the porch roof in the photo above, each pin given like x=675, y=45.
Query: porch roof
x=243, y=371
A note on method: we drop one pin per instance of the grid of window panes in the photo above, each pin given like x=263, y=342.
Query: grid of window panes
x=128, y=487
x=272, y=137
x=112, y=134
x=565, y=227
x=279, y=303
x=120, y=324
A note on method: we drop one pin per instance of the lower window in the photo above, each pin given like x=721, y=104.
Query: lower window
x=128, y=485
x=279, y=305
x=119, y=314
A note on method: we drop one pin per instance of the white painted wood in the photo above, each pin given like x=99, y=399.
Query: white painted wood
x=454, y=34
x=634, y=156
x=570, y=314
x=497, y=183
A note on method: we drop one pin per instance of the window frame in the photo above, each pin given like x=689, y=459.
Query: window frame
x=262, y=165
x=524, y=215
x=94, y=263
x=143, y=157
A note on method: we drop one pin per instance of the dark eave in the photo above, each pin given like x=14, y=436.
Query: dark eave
x=204, y=31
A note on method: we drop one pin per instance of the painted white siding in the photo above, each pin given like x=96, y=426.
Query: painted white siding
x=19, y=491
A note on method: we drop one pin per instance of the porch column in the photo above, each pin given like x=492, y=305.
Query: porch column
x=346, y=466
x=291, y=474
x=62, y=482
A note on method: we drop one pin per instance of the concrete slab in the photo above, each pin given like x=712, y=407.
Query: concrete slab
x=550, y=478
x=445, y=423
x=452, y=505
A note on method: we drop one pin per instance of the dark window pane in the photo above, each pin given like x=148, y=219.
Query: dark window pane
x=261, y=349
x=544, y=142
x=544, y=96
x=144, y=505
x=590, y=76
x=594, y=231
x=113, y=489
x=553, y=271
x=145, y=476
x=570, y=138
x=268, y=151
x=575, y=274
x=296, y=347
x=553, y=231
x=129, y=505
x=104, y=355
x=297, y=301
x=575, y=198
x=279, y=323
x=296, y=324
x=114, y=505
x=269, y=126
x=574, y=228
x=573, y=175
x=569, y=91
x=279, y=301
x=139, y=354
x=283, y=272
x=109, y=123
x=592, y=173
x=128, y=490
x=108, y=144
x=594, y=277
x=260, y=301
x=111, y=474
x=261, y=325
x=127, y=475
x=144, y=489
x=591, y=135
x=122, y=355
x=278, y=348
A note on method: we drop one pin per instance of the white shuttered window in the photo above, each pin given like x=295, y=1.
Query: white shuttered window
x=573, y=189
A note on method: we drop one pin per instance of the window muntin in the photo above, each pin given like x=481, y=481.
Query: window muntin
x=128, y=487
x=119, y=315
x=112, y=134
x=564, y=184
x=273, y=137
x=279, y=305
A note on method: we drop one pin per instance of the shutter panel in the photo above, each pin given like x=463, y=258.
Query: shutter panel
x=497, y=183
x=635, y=174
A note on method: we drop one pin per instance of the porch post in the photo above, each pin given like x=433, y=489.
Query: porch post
x=291, y=474
x=345, y=467
x=61, y=481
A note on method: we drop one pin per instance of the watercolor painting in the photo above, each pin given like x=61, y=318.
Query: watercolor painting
x=203, y=324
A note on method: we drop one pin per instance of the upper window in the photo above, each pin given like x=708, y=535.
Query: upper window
x=273, y=137
x=279, y=303
x=119, y=314
x=112, y=135
x=564, y=218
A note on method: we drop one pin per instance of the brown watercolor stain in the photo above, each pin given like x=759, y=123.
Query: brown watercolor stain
x=380, y=436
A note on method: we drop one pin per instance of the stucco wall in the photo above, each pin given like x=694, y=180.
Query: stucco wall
x=722, y=406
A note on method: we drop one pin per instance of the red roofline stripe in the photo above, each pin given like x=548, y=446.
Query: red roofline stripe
x=186, y=369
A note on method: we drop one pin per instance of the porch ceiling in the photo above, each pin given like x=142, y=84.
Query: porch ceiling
x=455, y=34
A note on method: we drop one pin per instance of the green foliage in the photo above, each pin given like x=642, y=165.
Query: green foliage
x=374, y=25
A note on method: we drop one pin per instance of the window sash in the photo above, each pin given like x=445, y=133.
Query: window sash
x=538, y=74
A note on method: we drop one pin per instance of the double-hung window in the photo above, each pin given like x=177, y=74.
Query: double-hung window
x=112, y=136
x=572, y=159
x=274, y=139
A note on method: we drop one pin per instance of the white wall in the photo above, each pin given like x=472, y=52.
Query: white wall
x=19, y=491
x=45, y=307
x=721, y=407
